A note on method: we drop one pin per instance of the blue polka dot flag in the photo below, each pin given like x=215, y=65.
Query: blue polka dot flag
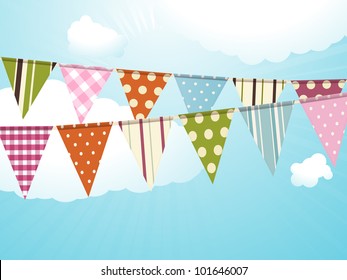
x=200, y=92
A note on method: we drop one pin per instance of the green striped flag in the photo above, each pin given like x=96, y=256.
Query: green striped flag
x=27, y=77
x=268, y=124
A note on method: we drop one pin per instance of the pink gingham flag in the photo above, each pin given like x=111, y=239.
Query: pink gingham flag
x=84, y=84
x=24, y=146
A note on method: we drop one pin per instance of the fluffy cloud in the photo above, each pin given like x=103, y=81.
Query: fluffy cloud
x=56, y=176
x=310, y=170
x=257, y=30
x=92, y=39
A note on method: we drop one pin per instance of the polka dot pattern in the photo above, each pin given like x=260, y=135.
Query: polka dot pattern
x=85, y=145
x=329, y=119
x=208, y=132
x=312, y=88
x=142, y=89
x=199, y=92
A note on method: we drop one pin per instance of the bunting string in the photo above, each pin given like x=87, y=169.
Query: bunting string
x=266, y=118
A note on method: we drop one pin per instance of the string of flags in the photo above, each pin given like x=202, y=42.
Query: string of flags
x=266, y=118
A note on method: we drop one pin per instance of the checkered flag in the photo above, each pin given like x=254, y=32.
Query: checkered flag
x=24, y=146
x=84, y=84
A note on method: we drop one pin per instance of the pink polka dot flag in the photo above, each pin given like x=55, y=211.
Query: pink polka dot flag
x=328, y=116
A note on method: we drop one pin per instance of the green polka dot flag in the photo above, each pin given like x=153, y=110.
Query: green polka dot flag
x=208, y=132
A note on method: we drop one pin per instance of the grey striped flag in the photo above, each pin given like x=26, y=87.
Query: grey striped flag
x=258, y=91
x=147, y=138
x=27, y=77
x=268, y=124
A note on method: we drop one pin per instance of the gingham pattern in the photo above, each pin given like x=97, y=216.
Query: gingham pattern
x=84, y=84
x=24, y=147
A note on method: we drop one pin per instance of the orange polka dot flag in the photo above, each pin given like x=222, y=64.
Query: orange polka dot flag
x=142, y=89
x=85, y=144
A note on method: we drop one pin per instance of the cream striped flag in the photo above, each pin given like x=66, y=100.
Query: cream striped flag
x=147, y=139
x=27, y=77
x=258, y=91
x=268, y=124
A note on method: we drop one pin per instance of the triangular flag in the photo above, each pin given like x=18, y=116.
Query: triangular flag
x=268, y=124
x=142, y=89
x=259, y=91
x=312, y=88
x=147, y=139
x=24, y=146
x=86, y=144
x=328, y=116
x=208, y=132
x=27, y=77
x=200, y=92
x=84, y=84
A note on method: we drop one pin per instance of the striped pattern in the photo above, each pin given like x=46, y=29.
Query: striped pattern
x=147, y=139
x=268, y=124
x=27, y=77
x=258, y=91
x=24, y=147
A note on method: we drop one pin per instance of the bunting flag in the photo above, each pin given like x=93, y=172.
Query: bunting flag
x=259, y=91
x=312, y=88
x=147, y=139
x=24, y=147
x=142, y=89
x=268, y=124
x=85, y=144
x=208, y=132
x=84, y=84
x=200, y=92
x=328, y=116
x=27, y=77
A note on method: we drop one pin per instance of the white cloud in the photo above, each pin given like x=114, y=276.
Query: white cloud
x=92, y=39
x=256, y=30
x=56, y=176
x=310, y=170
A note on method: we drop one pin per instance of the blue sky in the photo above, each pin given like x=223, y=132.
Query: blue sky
x=247, y=213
